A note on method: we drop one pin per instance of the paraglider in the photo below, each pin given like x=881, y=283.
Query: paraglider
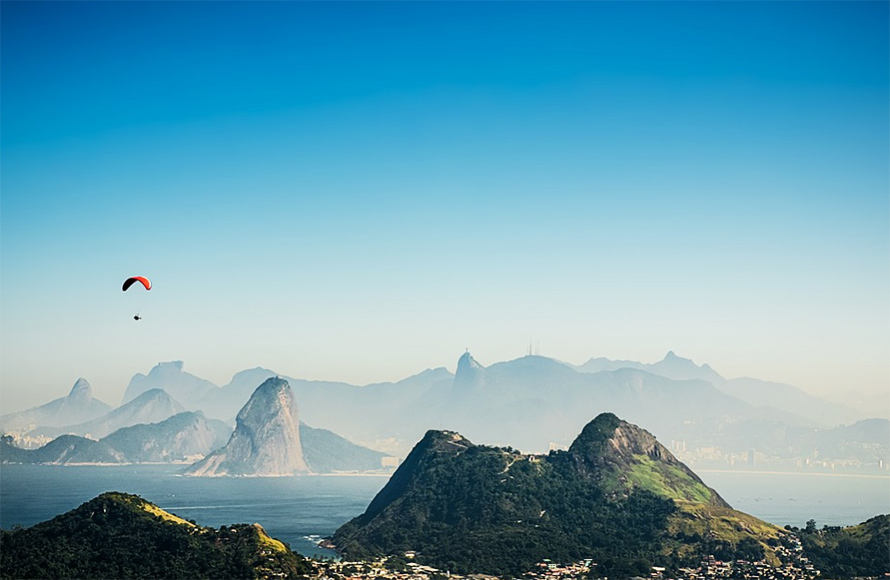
x=132, y=280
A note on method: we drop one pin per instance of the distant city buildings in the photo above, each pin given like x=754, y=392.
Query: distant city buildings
x=716, y=458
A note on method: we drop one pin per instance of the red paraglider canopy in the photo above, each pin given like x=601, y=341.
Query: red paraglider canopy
x=132, y=280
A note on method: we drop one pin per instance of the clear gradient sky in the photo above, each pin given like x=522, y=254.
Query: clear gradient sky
x=359, y=191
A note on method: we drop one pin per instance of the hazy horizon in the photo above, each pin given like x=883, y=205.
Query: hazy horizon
x=358, y=191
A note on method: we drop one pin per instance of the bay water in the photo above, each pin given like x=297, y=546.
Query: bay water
x=301, y=510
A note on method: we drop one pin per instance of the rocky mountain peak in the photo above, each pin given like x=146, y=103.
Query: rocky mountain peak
x=607, y=435
x=622, y=457
x=443, y=442
x=82, y=391
x=266, y=440
x=469, y=374
x=272, y=397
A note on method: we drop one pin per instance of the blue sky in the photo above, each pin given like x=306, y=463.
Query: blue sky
x=359, y=191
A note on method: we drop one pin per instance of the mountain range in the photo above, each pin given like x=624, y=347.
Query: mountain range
x=538, y=403
x=268, y=439
x=149, y=407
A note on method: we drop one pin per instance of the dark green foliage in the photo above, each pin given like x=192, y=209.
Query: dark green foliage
x=470, y=508
x=855, y=551
x=495, y=511
x=113, y=536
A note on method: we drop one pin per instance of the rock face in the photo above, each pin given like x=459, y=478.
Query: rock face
x=78, y=406
x=620, y=457
x=266, y=440
x=470, y=375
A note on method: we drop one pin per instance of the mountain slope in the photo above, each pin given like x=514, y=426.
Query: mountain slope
x=671, y=366
x=801, y=407
x=786, y=397
x=178, y=438
x=78, y=406
x=620, y=458
x=225, y=402
x=117, y=535
x=150, y=407
x=615, y=494
x=327, y=452
x=65, y=449
x=854, y=551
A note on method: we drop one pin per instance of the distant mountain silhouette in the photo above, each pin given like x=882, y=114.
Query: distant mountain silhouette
x=186, y=437
x=150, y=407
x=65, y=449
x=327, y=452
x=225, y=402
x=537, y=403
x=181, y=437
x=77, y=407
x=186, y=388
x=801, y=408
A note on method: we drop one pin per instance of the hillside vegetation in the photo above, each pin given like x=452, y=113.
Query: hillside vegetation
x=616, y=496
x=118, y=535
x=854, y=551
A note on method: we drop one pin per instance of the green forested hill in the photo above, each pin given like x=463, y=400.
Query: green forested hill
x=117, y=535
x=854, y=551
x=616, y=496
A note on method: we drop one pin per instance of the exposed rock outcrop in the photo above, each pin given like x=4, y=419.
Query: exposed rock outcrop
x=266, y=440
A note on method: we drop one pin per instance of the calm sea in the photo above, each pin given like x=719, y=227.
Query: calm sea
x=299, y=510
x=794, y=498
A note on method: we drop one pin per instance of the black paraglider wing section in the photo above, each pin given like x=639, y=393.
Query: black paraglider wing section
x=132, y=280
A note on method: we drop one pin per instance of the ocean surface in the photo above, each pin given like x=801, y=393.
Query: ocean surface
x=793, y=498
x=301, y=510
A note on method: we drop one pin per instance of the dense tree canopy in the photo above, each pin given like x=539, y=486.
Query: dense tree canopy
x=116, y=536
